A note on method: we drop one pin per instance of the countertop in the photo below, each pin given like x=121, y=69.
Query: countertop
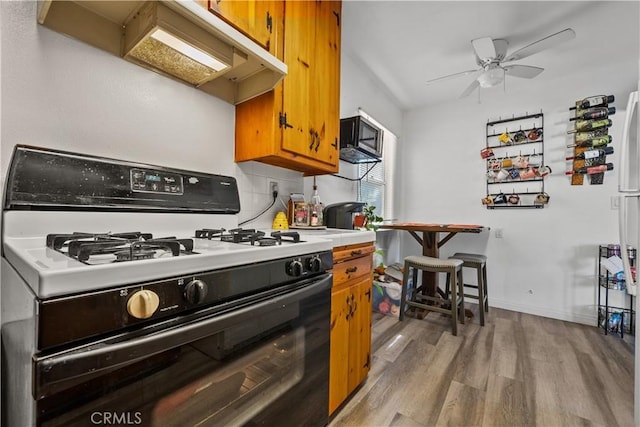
x=339, y=237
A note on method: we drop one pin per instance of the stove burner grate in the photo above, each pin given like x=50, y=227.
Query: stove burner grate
x=93, y=248
x=249, y=235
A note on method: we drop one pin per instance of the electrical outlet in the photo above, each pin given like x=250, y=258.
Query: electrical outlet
x=498, y=233
x=615, y=203
x=274, y=187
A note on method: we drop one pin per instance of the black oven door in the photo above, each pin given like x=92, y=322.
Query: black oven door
x=263, y=362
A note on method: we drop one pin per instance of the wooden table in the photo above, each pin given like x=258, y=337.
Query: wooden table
x=430, y=241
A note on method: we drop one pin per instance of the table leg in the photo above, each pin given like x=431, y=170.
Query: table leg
x=430, y=249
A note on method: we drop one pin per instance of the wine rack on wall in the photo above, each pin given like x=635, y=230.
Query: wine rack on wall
x=515, y=168
x=591, y=139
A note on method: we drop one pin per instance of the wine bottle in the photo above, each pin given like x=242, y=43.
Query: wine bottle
x=585, y=125
x=592, y=154
x=592, y=142
x=589, y=170
x=594, y=138
x=595, y=113
x=593, y=101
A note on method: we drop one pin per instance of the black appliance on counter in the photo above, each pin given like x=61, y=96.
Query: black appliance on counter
x=165, y=326
x=340, y=215
x=360, y=140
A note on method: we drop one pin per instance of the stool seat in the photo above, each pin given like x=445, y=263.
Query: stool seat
x=479, y=258
x=430, y=262
x=411, y=296
x=479, y=262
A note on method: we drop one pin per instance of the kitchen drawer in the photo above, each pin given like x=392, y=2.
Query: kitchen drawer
x=343, y=253
x=352, y=269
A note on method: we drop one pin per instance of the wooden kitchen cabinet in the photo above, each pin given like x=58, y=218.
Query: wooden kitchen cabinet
x=259, y=20
x=350, y=321
x=297, y=125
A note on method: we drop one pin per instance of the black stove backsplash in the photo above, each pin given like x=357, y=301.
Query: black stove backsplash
x=42, y=179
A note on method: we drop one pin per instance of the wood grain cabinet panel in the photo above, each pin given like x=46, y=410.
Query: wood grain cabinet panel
x=297, y=125
x=350, y=321
x=261, y=21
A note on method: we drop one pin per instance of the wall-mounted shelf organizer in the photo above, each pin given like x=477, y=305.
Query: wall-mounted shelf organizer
x=591, y=139
x=618, y=319
x=514, y=156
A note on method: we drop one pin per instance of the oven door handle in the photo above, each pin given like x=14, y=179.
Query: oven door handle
x=59, y=371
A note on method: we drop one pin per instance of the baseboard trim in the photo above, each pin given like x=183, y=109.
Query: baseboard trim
x=591, y=320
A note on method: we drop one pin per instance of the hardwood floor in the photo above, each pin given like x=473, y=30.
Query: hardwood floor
x=517, y=370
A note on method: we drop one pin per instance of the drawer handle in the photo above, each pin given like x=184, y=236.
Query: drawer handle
x=357, y=252
x=352, y=270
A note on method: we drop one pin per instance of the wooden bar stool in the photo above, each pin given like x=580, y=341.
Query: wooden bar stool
x=453, y=269
x=479, y=262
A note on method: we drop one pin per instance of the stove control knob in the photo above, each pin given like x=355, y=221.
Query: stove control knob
x=143, y=304
x=196, y=291
x=315, y=264
x=295, y=268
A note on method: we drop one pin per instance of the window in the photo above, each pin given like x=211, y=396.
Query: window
x=371, y=188
x=376, y=188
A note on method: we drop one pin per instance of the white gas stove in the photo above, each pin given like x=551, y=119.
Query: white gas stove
x=52, y=272
x=69, y=239
x=114, y=272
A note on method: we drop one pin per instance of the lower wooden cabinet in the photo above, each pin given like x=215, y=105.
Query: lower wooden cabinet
x=350, y=321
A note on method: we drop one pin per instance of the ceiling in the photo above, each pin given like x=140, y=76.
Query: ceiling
x=402, y=44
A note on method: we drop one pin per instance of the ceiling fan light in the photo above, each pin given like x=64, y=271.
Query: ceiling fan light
x=491, y=77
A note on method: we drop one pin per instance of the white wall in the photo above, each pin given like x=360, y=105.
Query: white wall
x=546, y=262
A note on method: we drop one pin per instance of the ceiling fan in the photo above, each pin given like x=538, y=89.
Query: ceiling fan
x=491, y=54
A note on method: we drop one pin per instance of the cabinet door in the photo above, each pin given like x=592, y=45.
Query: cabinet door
x=360, y=333
x=256, y=19
x=339, y=355
x=312, y=86
x=325, y=89
x=299, y=27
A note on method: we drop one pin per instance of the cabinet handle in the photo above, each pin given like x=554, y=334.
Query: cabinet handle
x=283, y=121
x=311, y=133
x=357, y=252
x=317, y=141
x=269, y=22
x=337, y=18
x=350, y=309
x=335, y=143
x=351, y=270
x=368, y=294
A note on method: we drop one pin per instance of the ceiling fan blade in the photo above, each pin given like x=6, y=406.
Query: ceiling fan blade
x=501, y=48
x=451, y=76
x=542, y=44
x=524, y=71
x=484, y=48
x=473, y=86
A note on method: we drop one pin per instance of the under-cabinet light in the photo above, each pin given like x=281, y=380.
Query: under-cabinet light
x=188, y=50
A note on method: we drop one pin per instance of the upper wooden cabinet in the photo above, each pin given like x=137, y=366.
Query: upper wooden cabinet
x=297, y=125
x=259, y=20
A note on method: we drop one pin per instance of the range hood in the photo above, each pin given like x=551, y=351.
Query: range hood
x=179, y=39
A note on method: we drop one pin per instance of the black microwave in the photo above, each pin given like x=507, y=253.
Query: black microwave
x=360, y=140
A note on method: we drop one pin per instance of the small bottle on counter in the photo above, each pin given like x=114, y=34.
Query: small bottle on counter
x=316, y=208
